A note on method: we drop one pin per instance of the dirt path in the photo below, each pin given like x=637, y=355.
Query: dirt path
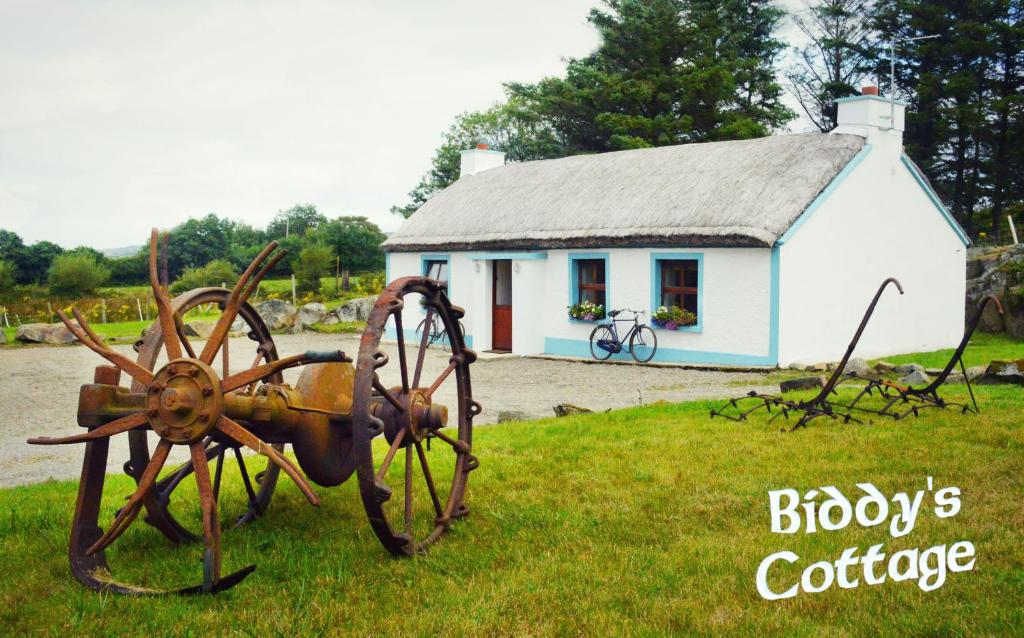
x=39, y=393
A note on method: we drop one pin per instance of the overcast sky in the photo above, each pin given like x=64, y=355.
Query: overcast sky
x=119, y=116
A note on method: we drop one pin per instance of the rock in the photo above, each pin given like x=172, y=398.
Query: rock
x=933, y=372
x=567, y=409
x=803, y=383
x=858, y=367
x=239, y=327
x=312, y=313
x=201, y=329
x=816, y=367
x=955, y=378
x=915, y=378
x=53, y=333
x=908, y=368
x=884, y=367
x=1003, y=373
x=3, y=337
x=329, y=319
x=355, y=309
x=799, y=367
x=277, y=314
x=976, y=371
x=507, y=416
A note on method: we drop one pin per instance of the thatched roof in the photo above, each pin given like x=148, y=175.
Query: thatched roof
x=742, y=193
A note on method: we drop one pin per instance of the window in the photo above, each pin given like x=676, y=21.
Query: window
x=679, y=283
x=436, y=269
x=590, y=281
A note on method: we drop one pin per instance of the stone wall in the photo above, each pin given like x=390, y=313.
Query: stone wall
x=999, y=272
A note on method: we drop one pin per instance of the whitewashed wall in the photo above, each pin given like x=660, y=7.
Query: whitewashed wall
x=877, y=223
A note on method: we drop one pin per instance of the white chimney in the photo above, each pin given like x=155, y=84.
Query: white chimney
x=479, y=159
x=871, y=116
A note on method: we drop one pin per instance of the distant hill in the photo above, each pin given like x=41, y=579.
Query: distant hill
x=123, y=251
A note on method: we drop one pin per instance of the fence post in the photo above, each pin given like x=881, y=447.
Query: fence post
x=1013, y=229
x=6, y=321
x=345, y=284
x=49, y=313
x=138, y=304
x=103, y=311
x=294, y=301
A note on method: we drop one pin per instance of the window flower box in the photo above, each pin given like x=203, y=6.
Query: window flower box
x=673, y=318
x=586, y=311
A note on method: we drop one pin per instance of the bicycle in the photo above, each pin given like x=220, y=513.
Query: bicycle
x=604, y=340
x=436, y=332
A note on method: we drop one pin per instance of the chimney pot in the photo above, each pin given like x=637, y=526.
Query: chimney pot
x=869, y=90
x=482, y=146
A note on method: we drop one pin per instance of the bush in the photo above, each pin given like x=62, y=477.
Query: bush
x=314, y=262
x=216, y=273
x=6, y=276
x=370, y=283
x=76, y=274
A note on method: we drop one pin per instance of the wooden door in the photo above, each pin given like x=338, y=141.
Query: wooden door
x=501, y=308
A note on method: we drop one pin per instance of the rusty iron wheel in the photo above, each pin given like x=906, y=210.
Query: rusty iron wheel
x=408, y=420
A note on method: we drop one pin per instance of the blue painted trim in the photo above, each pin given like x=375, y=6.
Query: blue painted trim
x=574, y=292
x=580, y=348
x=445, y=257
x=656, y=286
x=387, y=268
x=934, y=197
x=877, y=98
x=823, y=195
x=516, y=256
x=773, y=309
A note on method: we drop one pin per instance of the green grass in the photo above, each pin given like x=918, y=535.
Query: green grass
x=648, y=521
x=119, y=331
x=983, y=349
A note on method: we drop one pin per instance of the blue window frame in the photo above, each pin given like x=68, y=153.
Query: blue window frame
x=677, y=279
x=436, y=267
x=589, y=279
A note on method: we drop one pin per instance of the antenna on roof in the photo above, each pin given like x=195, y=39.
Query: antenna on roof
x=892, y=72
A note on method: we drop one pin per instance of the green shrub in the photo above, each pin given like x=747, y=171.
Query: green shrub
x=218, y=272
x=6, y=276
x=314, y=262
x=370, y=283
x=75, y=274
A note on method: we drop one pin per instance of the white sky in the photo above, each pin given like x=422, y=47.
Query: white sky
x=119, y=116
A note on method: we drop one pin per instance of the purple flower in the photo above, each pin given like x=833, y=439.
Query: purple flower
x=670, y=325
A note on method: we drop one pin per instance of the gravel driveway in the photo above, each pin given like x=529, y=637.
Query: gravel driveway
x=39, y=393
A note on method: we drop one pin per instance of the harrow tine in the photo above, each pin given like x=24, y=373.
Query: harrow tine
x=211, y=521
x=134, y=504
x=123, y=424
x=163, y=303
x=131, y=368
x=251, y=441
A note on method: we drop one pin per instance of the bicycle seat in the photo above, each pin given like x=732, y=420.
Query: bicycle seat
x=614, y=313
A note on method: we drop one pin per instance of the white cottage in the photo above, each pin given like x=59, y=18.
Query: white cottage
x=777, y=244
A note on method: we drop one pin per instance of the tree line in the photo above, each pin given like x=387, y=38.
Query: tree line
x=683, y=71
x=203, y=251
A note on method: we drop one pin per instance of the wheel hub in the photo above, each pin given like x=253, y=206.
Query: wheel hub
x=425, y=416
x=184, y=401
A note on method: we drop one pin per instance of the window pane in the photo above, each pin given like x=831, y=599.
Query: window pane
x=591, y=271
x=690, y=303
x=593, y=295
x=691, y=276
x=437, y=269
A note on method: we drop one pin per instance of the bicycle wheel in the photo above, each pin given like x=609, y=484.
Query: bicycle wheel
x=600, y=333
x=419, y=332
x=643, y=344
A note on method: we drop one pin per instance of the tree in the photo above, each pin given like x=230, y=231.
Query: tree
x=130, y=271
x=315, y=261
x=7, y=272
x=295, y=221
x=218, y=272
x=356, y=242
x=509, y=126
x=75, y=274
x=34, y=261
x=197, y=242
x=667, y=72
x=839, y=55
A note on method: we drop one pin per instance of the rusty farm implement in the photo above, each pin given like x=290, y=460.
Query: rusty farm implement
x=340, y=418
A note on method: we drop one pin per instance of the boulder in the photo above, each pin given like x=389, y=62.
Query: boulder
x=976, y=371
x=1003, y=373
x=858, y=367
x=507, y=416
x=329, y=318
x=201, y=329
x=799, y=367
x=933, y=372
x=908, y=368
x=53, y=333
x=955, y=378
x=312, y=313
x=816, y=367
x=567, y=409
x=355, y=309
x=277, y=314
x=884, y=367
x=915, y=378
x=803, y=383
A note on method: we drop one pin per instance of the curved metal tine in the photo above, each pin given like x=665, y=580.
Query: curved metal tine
x=252, y=375
x=179, y=327
x=170, y=482
x=429, y=479
x=126, y=365
x=231, y=306
x=254, y=284
x=390, y=456
x=251, y=441
x=402, y=363
x=217, y=474
x=118, y=426
x=165, y=313
x=134, y=504
x=424, y=343
x=408, y=491
x=211, y=521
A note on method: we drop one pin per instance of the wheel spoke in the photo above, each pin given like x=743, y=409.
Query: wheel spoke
x=460, y=447
x=134, y=504
x=408, y=491
x=424, y=342
x=126, y=365
x=390, y=456
x=440, y=379
x=163, y=304
x=253, y=375
x=251, y=441
x=429, y=479
x=253, y=501
x=384, y=392
x=224, y=358
x=217, y=474
x=123, y=424
x=211, y=522
x=402, y=363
